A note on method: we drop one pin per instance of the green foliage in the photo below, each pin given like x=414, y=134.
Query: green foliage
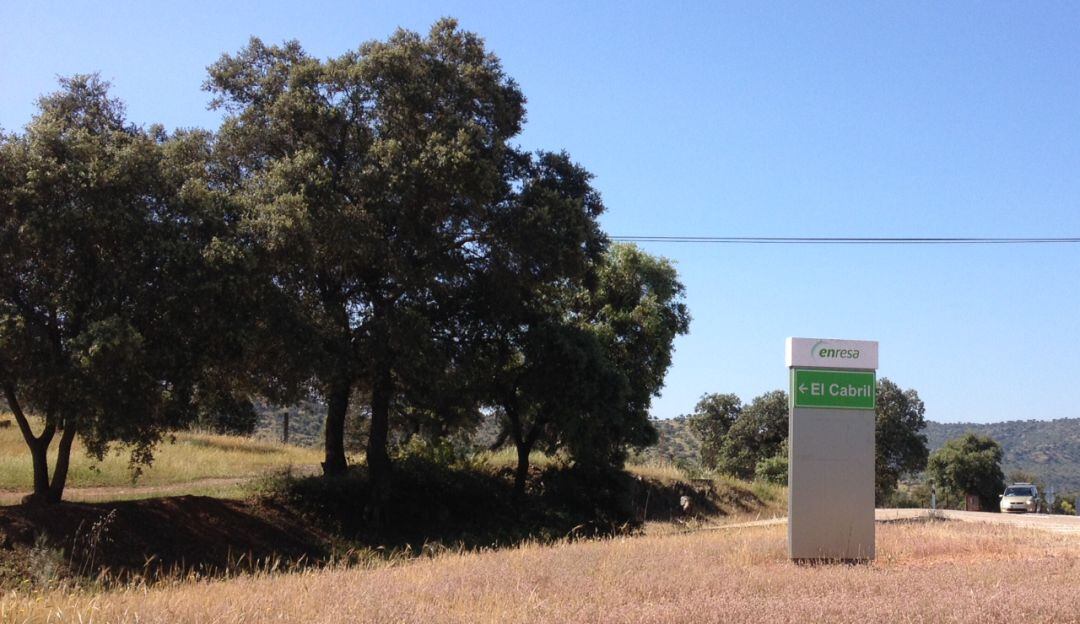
x=549, y=378
x=450, y=451
x=747, y=440
x=1047, y=450
x=46, y=564
x=583, y=381
x=970, y=464
x=692, y=470
x=900, y=447
x=384, y=196
x=1023, y=476
x=758, y=433
x=767, y=491
x=578, y=393
x=226, y=413
x=472, y=506
x=361, y=229
x=635, y=311
x=713, y=417
x=677, y=443
x=909, y=496
x=773, y=469
x=114, y=305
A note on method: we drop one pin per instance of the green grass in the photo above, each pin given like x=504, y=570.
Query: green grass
x=190, y=457
x=650, y=468
x=507, y=458
x=657, y=469
x=235, y=491
x=222, y=467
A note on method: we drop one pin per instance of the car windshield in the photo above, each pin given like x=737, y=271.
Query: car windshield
x=1019, y=491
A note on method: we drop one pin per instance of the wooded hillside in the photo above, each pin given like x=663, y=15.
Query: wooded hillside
x=1049, y=449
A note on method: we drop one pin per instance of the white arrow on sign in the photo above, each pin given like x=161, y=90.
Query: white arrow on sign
x=802, y=388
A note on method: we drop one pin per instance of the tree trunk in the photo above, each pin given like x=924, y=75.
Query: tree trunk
x=524, y=443
x=378, y=459
x=337, y=405
x=38, y=445
x=63, y=460
x=39, y=455
x=521, y=473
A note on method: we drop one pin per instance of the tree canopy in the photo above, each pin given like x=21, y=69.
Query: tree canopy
x=359, y=228
x=758, y=433
x=900, y=443
x=713, y=417
x=970, y=464
x=583, y=380
x=636, y=310
x=751, y=440
x=112, y=323
x=437, y=266
x=372, y=182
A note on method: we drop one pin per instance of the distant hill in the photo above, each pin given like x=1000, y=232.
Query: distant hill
x=1049, y=449
x=677, y=445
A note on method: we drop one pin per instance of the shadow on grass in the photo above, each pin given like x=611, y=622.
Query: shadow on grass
x=313, y=520
x=476, y=508
x=155, y=538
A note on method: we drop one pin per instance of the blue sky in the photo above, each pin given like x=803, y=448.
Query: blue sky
x=749, y=119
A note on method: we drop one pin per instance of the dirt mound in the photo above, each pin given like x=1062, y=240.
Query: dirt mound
x=153, y=535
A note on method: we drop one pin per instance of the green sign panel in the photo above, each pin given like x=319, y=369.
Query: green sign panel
x=844, y=389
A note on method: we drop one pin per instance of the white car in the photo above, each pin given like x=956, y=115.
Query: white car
x=1020, y=498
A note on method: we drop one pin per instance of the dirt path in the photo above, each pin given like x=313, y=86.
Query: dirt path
x=1044, y=522
x=103, y=493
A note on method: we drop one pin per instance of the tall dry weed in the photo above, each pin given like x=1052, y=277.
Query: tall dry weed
x=925, y=572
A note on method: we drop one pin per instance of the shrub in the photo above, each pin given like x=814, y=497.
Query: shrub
x=773, y=469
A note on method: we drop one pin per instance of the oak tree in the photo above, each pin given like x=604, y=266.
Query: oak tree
x=636, y=309
x=970, y=464
x=712, y=419
x=900, y=445
x=111, y=295
x=757, y=434
x=580, y=376
x=369, y=182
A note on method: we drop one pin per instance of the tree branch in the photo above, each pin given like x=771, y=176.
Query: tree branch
x=63, y=459
x=20, y=417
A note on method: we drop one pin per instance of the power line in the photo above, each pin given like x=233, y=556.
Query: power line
x=845, y=240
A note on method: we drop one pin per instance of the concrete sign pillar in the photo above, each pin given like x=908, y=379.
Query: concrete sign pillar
x=831, y=448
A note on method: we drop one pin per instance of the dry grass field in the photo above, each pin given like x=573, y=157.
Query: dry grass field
x=190, y=457
x=926, y=572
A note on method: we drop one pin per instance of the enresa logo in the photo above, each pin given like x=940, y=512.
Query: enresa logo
x=822, y=351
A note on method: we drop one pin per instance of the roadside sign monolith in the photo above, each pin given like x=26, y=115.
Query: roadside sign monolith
x=831, y=448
